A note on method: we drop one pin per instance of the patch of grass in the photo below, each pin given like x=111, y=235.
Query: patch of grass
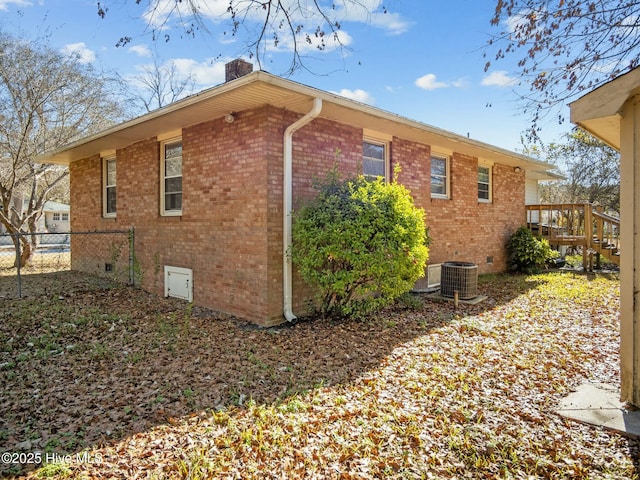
x=55, y=470
x=101, y=351
x=196, y=466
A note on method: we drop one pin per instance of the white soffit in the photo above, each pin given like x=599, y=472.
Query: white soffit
x=260, y=88
x=598, y=112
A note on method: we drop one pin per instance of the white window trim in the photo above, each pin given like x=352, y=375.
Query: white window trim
x=163, y=212
x=387, y=154
x=105, y=214
x=447, y=160
x=490, y=199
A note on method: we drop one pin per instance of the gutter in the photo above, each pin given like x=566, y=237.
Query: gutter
x=287, y=191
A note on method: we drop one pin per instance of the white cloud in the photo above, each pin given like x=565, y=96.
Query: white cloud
x=358, y=95
x=393, y=23
x=429, y=82
x=140, y=50
x=499, y=78
x=4, y=4
x=460, y=83
x=158, y=12
x=518, y=21
x=204, y=74
x=84, y=54
x=372, y=12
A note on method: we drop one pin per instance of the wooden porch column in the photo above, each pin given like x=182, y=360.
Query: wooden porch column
x=611, y=112
x=630, y=248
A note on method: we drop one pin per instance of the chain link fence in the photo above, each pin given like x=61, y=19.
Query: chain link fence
x=105, y=254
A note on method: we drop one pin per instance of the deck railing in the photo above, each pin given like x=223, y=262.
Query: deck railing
x=582, y=226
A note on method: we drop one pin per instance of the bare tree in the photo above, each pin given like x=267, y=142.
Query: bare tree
x=159, y=84
x=565, y=47
x=47, y=99
x=301, y=25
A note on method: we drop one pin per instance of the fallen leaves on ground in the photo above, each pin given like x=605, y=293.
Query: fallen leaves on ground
x=133, y=386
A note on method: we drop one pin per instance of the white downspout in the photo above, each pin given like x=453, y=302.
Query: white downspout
x=287, y=286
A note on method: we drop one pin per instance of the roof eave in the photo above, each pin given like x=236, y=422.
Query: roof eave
x=292, y=95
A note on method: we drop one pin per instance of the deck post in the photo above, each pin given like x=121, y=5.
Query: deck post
x=588, y=233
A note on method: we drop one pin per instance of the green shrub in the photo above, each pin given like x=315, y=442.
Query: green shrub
x=529, y=254
x=360, y=244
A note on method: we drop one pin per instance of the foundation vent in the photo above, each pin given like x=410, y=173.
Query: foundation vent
x=431, y=279
x=178, y=283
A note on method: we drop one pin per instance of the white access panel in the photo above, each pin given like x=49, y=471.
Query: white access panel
x=178, y=283
x=431, y=279
x=434, y=273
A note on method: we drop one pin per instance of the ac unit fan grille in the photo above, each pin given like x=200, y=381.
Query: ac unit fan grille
x=460, y=276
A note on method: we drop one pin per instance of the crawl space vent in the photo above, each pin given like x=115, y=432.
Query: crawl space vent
x=431, y=279
x=178, y=283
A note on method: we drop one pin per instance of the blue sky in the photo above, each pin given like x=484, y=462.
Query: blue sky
x=422, y=59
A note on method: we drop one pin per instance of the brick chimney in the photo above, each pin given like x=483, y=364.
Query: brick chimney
x=237, y=68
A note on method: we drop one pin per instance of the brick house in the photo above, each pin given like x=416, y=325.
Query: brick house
x=206, y=182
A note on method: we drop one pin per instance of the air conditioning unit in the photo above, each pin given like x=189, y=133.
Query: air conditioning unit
x=431, y=279
x=461, y=277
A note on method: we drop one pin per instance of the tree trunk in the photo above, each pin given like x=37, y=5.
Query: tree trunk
x=24, y=249
x=26, y=252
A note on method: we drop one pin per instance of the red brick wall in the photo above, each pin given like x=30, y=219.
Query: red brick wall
x=222, y=232
x=462, y=228
x=230, y=232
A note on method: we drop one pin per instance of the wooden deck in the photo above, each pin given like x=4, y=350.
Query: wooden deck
x=582, y=226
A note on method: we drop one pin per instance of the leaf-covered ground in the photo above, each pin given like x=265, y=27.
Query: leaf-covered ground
x=133, y=386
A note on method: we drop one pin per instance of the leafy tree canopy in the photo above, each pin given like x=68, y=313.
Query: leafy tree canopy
x=591, y=168
x=565, y=47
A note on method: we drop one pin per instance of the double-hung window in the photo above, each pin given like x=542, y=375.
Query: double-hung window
x=439, y=176
x=109, y=182
x=171, y=177
x=484, y=184
x=374, y=159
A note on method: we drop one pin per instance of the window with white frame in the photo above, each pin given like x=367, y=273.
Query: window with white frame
x=109, y=182
x=439, y=176
x=484, y=183
x=56, y=217
x=171, y=177
x=374, y=159
x=65, y=217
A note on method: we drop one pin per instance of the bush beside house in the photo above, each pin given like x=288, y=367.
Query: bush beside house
x=361, y=244
x=529, y=254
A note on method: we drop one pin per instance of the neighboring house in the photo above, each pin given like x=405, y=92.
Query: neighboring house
x=208, y=183
x=532, y=191
x=54, y=218
x=612, y=114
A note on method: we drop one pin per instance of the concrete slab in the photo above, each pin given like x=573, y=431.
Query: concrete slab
x=599, y=404
x=469, y=301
